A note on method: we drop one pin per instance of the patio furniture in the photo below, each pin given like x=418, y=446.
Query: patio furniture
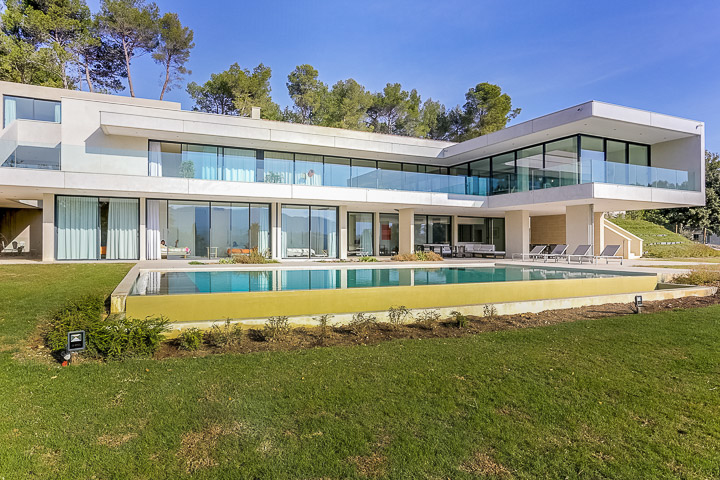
x=609, y=253
x=459, y=251
x=556, y=253
x=446, y=251
x=536, y=252
x=179, y=251
x=488, y=251
x=581, y=252
x=212, y=252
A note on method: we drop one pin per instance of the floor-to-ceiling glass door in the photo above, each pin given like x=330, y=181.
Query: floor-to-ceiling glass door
x=188, y=229
x=389, y=233
x=360, y=234
x=309, y=232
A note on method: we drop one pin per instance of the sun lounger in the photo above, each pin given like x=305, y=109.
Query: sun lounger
x=609, y=253
x=581, y=252
x=536, y=252
x=557, y=253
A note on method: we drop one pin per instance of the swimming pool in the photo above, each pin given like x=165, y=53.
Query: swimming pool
x=250, y=294
x=226, y=281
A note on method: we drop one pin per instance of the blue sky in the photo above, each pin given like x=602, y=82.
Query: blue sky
x=547, y=55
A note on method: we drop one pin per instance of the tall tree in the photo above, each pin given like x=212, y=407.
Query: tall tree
x=487, y=110
x=431, y=124
x=308, y=94
x=100, y=60
x=173, y=52
x=134, y=25
x=346, y=105
x=235, y=91
x=394, y=110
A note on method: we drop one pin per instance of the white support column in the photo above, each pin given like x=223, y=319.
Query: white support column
x=517, y=232
x=143, y=229
x=579, y=226
x=454, y=231
x=376, y=233
x=406, y=230
x=343, y=231
x=48, y=227
x=599, y=232
x=275, y=233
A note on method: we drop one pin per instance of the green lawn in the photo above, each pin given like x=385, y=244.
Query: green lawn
x=628, y=397
x=652, y=233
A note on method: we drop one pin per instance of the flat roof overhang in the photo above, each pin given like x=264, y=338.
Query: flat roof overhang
x=591, y=118
x=23, y=184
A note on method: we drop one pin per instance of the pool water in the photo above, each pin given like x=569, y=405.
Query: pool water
x=224, y=281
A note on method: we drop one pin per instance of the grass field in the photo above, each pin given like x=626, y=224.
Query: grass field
x=653, y=233
x=630, y=397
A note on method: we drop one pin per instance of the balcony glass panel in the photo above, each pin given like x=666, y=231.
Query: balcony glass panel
x=529, y=168
x=199, y=161
x=480, y=177
x=561, y=163
x=616, y=158
x=390, y=175
x=503, y=173
x=337, y=172
x=278, y=167
x=592, y=151
x=308, y=169
x=364, y=173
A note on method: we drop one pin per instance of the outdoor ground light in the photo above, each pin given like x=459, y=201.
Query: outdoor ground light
x=638, y=303
x=75, y=343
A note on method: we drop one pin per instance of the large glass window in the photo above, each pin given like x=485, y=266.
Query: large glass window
x=199, y=161
x=480, y=181
x=503, y=173
x=530, y=175
x=498, y=233
x=238, y=165
x=432, y=229
x=308, y=169
x=360, y=234
x=389, y=233
x=278, y=167
x=309, y=231
x=473, y=230
x=188, y=229
x=561, y=163
x=29, y=109
x=390, y=175
x=90, y=228
x=592, y=159
x=236, y=228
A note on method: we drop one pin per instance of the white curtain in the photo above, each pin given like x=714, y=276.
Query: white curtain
x=77, y=228
x=10, y=111
x=122, y=233
x=261, y=216
x=153, y=229
x=239, y=165
x=155, y=159
x=278, y=167
x=366, y=241
x=57, y=113
x=332, y=244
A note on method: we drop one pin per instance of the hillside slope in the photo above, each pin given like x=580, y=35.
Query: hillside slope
x=654, y=235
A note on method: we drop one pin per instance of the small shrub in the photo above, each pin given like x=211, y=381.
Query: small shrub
x=489, y=311
x=428, y=319
x=324, y=322
x=368, y=259
x=276, y=328
x=112, y=338
x=252, y=258
x=398, y=315
x=195, y=262
x=190, y=339
x=417, y=257
x=361, y=322
x=461, y=321
x=705, y=275
x=224, y=336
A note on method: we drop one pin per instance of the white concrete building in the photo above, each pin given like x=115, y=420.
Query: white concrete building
x=92, y=176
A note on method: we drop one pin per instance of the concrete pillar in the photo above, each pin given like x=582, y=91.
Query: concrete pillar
x=48, y=227
x=454, y=230
x=343, y=231
x=579, y=226
x=406, y=230
x=275, y=230
x=376, y=233
x=143, y=229
x=517, y=232
x=599, y=232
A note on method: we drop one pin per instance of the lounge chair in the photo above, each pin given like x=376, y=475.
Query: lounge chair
x=581, y=252
x=557, y=253
x=488, y=251
x=609, y=253
x=446, y=251
x=536, y=252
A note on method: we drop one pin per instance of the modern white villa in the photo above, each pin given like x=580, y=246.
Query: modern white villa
x=88, y=176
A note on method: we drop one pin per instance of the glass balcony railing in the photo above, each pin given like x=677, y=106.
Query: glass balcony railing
x=239, y=165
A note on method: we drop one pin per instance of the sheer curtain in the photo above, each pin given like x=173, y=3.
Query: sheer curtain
x=260, y=214
x=123, y=224
x=153, y=230
x=77, y=228
x=238, y=165
x=332, y=244
x=278, y=167
x=10, y=111
x=366, y=241
x=57, y=113
x=155, y=159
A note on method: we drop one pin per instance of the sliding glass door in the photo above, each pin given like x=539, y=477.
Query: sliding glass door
x=92, y=228
x=237, y=228
x=389, y=233
x=309, y=232
x=188, y=230
x=360, y=234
